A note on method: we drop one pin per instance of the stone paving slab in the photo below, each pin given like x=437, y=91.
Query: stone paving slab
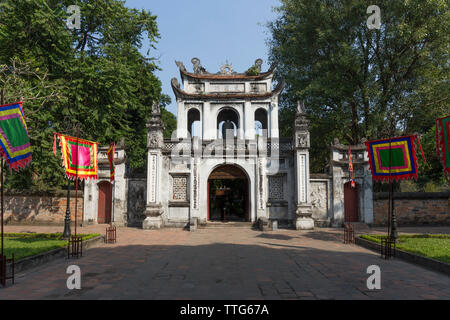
x=225, y=263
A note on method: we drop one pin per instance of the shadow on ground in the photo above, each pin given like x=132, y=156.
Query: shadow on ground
x=264, y=270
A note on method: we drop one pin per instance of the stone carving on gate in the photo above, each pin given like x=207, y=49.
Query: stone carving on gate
x=302, y=140
x=319, y=196
x=153, y=178
x=227, y=68
x=261, y=184
x=195, y=184
x=198, y=67
x=153, y=141
x=180, y=65
x=136, y=201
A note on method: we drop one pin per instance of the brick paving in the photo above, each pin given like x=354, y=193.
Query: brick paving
x=227, y=263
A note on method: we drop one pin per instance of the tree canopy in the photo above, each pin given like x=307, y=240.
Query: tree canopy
x=95, y=76
x=357, y=81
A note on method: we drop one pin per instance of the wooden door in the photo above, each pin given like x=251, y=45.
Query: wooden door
x=209, y=204
x=104, y=202
x=350, y=203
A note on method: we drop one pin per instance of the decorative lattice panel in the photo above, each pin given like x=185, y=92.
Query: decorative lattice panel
x=276, y=188
x=180, y=188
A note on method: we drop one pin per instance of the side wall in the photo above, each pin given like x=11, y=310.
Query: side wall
x=41, y=209
x=413, y=208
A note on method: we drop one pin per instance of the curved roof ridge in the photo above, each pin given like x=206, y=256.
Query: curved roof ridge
x=220, y=76
x=183, y=94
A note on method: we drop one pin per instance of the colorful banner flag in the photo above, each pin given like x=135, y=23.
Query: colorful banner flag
x=443, y=141
x=14, y=140
x=110, y=153
x=394, y=158
x=79, y=156
x=350, y=167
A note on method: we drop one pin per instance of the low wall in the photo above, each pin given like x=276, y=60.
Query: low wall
x=413, y=208
x=46, y=209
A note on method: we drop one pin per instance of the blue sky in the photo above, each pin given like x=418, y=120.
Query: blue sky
x=212, y=30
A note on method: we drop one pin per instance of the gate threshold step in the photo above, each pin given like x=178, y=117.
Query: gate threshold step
x=225, y=224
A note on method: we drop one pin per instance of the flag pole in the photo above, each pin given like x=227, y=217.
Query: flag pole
x=2, y=103
x=393, y=221
x=113, y=198
x=390, y=187
x=76, y=183
x=114, y=182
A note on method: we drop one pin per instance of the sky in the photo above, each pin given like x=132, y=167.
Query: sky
x=215, y=31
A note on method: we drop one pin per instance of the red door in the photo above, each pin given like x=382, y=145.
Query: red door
x=350, y=203
x=104, y=202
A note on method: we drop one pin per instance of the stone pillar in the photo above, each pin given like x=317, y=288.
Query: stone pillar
x=195, y=179
x=303, y=210
x=209, y=123
x=249, y=120
x=182, y=130
x=155, y=141
x=273, y=127
x=261, y=178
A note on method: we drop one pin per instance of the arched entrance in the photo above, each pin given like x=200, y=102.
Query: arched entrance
x=104, y=202
x=228, y=194
x=350, y=203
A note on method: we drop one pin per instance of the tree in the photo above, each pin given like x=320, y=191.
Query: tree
x=98, y=76
x=354, y=80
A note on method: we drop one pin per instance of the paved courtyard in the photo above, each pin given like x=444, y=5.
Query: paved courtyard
x=226, y=263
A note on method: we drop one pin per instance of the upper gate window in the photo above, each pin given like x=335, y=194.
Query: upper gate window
x=261, y=122
x=227, y=119
x=194, y=122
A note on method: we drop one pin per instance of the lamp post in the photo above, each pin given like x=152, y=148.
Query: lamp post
x=67, y=232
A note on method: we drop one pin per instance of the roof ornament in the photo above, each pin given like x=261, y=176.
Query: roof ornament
x=175, y=83
x=226, y=68
x=300, y=107
x=180, y=65
x=156, y=108
x=198, y=69
x=258, y=64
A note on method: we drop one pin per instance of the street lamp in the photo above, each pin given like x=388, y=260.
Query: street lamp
x=67, y=233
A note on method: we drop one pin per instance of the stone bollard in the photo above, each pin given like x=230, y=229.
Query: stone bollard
x=193, y=224
x=274, y=225
x=263, y=224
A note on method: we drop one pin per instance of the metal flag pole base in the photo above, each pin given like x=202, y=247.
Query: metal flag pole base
x=111, y=235
x=4, y=261
x=75, y=247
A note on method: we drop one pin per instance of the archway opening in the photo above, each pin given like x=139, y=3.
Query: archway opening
x=228, y=194
x=227, y=123
x=104, y=202
x=194, y=122
x=261, y=122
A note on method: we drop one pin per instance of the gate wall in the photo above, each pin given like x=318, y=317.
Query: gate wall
x=340, y=175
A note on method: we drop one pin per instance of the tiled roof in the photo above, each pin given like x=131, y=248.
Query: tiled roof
x=227, y=96
x=218, y=76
